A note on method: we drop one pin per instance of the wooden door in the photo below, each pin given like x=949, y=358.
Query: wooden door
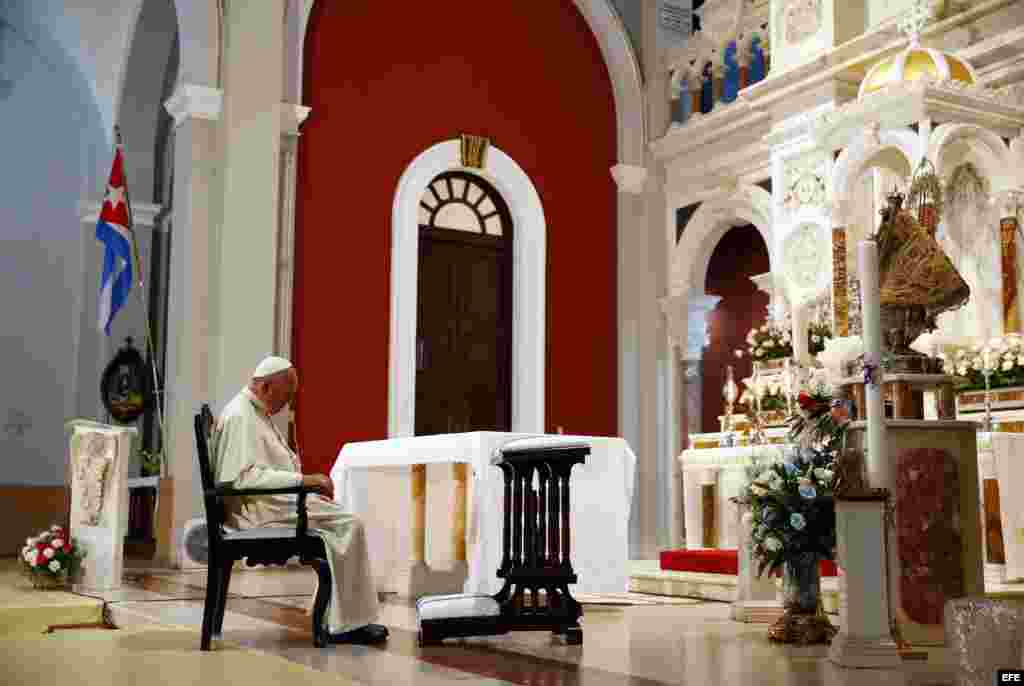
x=463, y=351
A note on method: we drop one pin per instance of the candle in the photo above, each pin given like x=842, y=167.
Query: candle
x=800, y=350
x=876, y=460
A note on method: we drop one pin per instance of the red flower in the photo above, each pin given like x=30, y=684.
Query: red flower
x=67, y=548
x=40, y=546
x=805, y=400
x=40, y=560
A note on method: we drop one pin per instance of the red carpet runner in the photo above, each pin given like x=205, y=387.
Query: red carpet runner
x=716, y=561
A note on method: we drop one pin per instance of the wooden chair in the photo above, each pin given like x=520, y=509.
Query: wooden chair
x=265, y=546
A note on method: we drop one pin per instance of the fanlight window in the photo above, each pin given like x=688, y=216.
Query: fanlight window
x=460, y=202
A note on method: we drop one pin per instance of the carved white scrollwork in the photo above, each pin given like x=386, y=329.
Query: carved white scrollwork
x=95, y=456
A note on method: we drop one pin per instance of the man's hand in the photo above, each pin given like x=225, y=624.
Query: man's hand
x=321, y=483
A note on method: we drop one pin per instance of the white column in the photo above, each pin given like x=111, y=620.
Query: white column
x=864, y=638
x=686, y=319
x=244, y=288
x=196, y=110
x=292, y=117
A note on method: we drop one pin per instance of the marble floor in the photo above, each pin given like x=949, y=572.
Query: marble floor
x=664, y=640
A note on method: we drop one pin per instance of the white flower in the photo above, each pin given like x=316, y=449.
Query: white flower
x=30, y=541
x=769, y=343
x=758, y=352
x=1007, y=365
x=54, y=566
x=1020, y=360
x=772, y=544
x=48, y=553
x=54, y=527
x=976, y=364
x=738, y=353
x=30, y=557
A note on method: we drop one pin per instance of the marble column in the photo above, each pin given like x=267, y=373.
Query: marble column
x=686, y=318
x=196, y=110
x=292, y=117
x=243, y=289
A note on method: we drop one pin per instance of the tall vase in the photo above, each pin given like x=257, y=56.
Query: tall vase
x=801, y=584
x=803, y=621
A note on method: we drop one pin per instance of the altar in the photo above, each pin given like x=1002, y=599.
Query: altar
x=711, y=477
x=396, y=472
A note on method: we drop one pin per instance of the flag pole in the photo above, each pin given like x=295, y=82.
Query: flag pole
x=157, y=392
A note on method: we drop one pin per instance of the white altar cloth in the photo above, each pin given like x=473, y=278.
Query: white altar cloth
x=602, y=491
x=726, y=468
x=1007, y=453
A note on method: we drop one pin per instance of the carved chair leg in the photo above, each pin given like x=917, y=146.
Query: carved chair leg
x=210, y=604
x=321, y=636
x=222, y=588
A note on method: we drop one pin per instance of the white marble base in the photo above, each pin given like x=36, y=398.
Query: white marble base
x=757, y=611
x=850, y=651
x=994, y=574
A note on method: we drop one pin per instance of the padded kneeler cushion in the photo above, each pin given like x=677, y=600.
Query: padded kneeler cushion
x=442, y=616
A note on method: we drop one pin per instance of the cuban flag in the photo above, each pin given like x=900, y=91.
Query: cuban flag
x=114, y=230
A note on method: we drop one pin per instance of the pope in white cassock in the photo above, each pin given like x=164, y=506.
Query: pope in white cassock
x=250, y=452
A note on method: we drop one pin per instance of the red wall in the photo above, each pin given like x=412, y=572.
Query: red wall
x=385, y=82
x=740, y=254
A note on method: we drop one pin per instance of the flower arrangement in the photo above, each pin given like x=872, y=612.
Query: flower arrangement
x=769, y=342
x=51, y=557
x=792, y=508
x=773, y=396
x=1002, y=358
x=817, y=334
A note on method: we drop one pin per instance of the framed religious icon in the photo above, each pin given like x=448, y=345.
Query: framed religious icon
x=123, y=387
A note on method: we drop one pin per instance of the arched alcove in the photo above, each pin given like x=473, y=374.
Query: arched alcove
x=739, y=254
x=525, y=88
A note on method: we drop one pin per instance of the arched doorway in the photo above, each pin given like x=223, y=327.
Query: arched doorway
x=740, y=254
x=464, y=307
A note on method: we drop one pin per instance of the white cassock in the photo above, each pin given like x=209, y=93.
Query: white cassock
x=250, y=452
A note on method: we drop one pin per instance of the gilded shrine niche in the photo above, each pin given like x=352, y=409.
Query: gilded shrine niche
x=93, y=463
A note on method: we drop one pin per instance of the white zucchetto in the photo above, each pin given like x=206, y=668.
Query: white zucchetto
x=270, y=366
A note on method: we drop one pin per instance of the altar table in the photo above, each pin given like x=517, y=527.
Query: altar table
x=711, y=476
x=602, y=493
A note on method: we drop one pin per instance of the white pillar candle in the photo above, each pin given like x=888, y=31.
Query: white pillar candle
x=800, y=350
x=876, y=459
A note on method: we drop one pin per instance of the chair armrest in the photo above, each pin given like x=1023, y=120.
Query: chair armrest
x=301, y=526
x=226, y=490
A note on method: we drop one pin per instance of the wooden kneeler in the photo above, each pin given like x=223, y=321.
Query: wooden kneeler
x=535, y=553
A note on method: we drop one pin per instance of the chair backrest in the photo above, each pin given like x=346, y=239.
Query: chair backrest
x=214, y=505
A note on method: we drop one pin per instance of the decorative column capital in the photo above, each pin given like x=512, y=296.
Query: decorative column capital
x=192, y=101
x=292, y=116
x=1008, y=202
x=686, y=316
x=629, y=178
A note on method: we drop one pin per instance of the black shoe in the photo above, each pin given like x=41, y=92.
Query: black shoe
x=364, y=635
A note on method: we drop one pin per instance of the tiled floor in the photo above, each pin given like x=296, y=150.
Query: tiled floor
x=638, y=645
